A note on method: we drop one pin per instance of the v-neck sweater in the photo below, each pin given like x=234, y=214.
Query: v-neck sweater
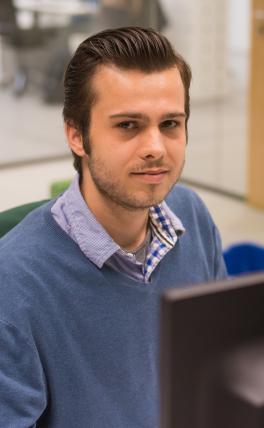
x=79, y=345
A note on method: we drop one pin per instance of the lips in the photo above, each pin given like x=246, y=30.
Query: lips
x=153, y=176
x=151, y=172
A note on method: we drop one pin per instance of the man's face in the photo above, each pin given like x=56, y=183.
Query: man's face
x=137, y=137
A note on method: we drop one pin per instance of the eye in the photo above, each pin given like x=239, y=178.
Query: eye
x=128, y=124
x=170, y=124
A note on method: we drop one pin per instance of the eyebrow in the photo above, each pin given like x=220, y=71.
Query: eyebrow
x=134, y=115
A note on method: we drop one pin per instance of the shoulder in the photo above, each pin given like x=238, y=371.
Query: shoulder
x=28, y=231
x=201, y=244
x=25, y=249
x=11, y=217
x=28, y=259
x=187, y=204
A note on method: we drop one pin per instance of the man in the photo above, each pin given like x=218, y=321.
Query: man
x=81, y=276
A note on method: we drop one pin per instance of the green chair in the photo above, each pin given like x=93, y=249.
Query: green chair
x=10, y=218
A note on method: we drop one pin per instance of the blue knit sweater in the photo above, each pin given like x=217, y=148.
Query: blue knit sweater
x=79, y=345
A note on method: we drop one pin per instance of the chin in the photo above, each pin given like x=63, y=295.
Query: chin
x=149, y=202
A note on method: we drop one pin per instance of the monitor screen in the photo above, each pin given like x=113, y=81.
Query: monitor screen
x=212, y=355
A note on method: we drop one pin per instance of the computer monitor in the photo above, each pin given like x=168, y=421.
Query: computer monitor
x=212, y=355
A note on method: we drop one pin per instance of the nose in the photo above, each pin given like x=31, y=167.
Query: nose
x=152, y=145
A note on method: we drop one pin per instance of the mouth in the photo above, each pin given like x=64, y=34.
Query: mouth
x=154, y=176
x=151, y=172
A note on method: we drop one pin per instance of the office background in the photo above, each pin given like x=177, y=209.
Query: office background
x=38, y=37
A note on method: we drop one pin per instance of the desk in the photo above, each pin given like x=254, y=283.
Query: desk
x=57, y=7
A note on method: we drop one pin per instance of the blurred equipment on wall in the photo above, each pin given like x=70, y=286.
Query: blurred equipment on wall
x=23, y=41
x=37, y=33
x=43, y=34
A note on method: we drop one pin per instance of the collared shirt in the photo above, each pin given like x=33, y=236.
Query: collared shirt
x=74, y=216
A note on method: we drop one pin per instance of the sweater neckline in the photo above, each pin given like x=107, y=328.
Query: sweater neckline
x=105, y=272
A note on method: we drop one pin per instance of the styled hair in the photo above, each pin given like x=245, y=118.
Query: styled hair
x=128, y=48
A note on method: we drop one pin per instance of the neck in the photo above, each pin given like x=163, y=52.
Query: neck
x=128, y=228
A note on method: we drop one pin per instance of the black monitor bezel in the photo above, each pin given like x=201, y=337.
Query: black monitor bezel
x=197, y=310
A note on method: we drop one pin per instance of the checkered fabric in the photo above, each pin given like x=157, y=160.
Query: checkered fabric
x=165, y=236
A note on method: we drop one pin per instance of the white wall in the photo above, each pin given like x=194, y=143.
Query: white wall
x=238, y=25
x=30, y=183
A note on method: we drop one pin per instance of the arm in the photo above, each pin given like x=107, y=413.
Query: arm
x=22, y=384
x=219, y=264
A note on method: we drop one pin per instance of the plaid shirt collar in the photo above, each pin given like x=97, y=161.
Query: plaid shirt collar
x=166, y=229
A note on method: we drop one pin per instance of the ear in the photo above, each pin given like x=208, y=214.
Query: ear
x=75, y=140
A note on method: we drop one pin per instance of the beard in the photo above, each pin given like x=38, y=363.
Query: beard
x=108, y=183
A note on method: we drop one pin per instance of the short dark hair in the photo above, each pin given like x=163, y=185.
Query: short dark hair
x=127, y=48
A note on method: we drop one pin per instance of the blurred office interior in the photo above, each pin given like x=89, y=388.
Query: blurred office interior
x=37, y=38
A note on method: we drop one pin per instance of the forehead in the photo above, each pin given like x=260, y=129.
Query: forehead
x=117, y=88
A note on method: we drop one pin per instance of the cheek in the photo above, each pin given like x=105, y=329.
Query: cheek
x=177, y=150
x=120, y=154
x=114, y=160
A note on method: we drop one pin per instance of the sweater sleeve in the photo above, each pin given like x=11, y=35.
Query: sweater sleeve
x=22, y=384
x=219, y=264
